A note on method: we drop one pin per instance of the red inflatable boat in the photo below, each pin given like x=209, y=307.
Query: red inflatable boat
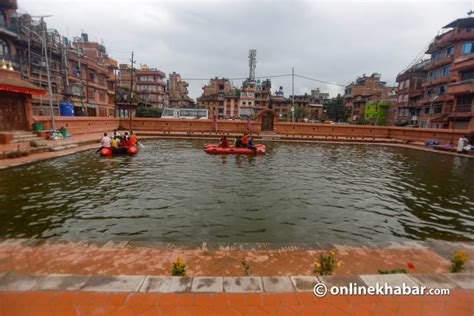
x=132, y=150
x=214, y=149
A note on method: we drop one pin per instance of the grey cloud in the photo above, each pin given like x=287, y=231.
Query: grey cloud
x=333, y=41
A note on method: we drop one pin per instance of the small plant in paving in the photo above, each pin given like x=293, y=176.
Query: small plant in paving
x=246, y=267
x=458, y=261
x=179, y=268
x=327, y=264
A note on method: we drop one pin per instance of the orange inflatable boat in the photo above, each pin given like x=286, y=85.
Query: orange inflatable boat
x=132, y=150
x=214, y=149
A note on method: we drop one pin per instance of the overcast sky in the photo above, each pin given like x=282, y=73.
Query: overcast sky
x=332, y=41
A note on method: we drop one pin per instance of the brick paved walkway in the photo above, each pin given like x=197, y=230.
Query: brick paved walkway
x=460, y=302
x=114, y=258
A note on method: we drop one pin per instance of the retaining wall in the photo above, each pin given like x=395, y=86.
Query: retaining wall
x=78, y=125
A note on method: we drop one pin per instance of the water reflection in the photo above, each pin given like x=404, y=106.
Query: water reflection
x=173, y=191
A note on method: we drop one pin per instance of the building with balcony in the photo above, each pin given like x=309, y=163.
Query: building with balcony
x=178, y=92
x=460, y=112
x=364, y=90
x=80, y=71
x=408, y=110
x=221, y=98
x=446, y=89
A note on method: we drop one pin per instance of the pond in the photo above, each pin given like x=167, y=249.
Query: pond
x=297, y=192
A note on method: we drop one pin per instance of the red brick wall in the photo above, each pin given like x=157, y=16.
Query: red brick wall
x=331, y=130
x=194, y=126
x=77, y=125
x=80, y=125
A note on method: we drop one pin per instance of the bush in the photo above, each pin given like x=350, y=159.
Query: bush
x=143, y=111
x=179, y=268
x=458, y=261
x=327, y=264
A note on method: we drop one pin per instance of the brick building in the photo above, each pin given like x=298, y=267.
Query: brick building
x=408, y=110
x=80, y=71
x=90, y=83
x=449, y=87
x=366, y=89
x=178, y=92
x=220, y=98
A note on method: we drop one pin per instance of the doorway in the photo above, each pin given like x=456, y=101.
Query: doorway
x=267, y=121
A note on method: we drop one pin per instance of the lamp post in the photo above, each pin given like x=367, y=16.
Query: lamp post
x=292, y=114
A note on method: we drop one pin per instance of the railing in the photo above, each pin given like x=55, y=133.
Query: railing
x=463, y=107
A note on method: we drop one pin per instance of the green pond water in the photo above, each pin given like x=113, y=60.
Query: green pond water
x=173, y=191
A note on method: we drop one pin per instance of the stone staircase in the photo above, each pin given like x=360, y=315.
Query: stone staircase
x=26, y=137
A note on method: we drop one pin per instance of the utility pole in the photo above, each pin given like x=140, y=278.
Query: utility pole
x=292, y=94
x=50, y=90
x=132, y=61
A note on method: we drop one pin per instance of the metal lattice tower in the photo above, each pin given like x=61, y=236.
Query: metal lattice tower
x=252, y=63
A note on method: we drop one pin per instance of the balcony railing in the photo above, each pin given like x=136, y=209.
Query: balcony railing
x=461, y=87
x=440, y=62
x=463, y=108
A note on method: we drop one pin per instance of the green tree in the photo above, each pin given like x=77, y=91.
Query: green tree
x=144, y=111
x=300, y=113
x=336, y=110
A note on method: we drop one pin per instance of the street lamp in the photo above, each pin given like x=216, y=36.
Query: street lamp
x=292, y=113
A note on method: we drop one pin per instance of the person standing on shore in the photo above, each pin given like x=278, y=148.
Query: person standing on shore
x=462, y=142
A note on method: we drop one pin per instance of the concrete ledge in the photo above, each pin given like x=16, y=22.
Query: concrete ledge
x=166, y=284
x=122, y=283
x=207, y=284
x=243, y=284
x=277, y=284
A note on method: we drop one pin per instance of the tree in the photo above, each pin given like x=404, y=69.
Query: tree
x=336, y=110
x=300, y=113
x=144, y=111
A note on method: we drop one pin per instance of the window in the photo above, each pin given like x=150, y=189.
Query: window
x=91, y=76
x=467, y=75
x=3, y=19
x=445, y=70
x=438, y=109
x=4, y=48
x=427, y=110
x=442, y=90
x=467, y=48
x=449, y=51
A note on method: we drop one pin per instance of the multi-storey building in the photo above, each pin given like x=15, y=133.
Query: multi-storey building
x=178, y=92
x=90, y=82
x=408, y=109
x=148, y=89
x=365, y=89
x=456, y=46
x=221, y=99
x=445, y=97
x=80, y=71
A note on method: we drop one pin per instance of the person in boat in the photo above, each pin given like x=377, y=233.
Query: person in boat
x=105, y=141
x=125, y=141
x=115, y=142
x=250, y=144
x=133, y=139
x=116, y=134
x=244, y=139
x=223, y=143
x=238, y=142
